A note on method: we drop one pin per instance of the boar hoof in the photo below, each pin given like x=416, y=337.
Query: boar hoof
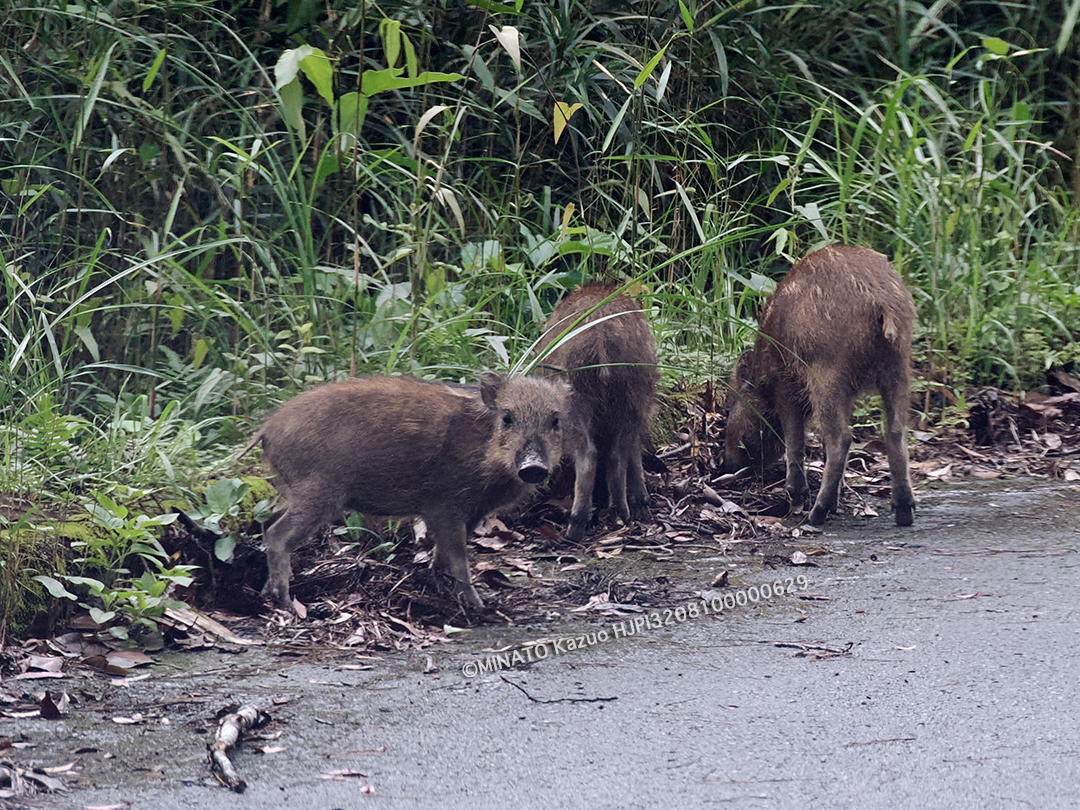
x=576, y=532
x=905, y=514
x=817, y=515
x=277, y=596
x=467, y=596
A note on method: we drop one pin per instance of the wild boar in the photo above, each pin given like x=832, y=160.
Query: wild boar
x=610, y=358
x=837, y=325
x=399, y=446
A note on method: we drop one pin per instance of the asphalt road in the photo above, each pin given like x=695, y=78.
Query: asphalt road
x=939, y=670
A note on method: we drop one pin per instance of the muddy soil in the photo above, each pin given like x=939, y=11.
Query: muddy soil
x=933, y=666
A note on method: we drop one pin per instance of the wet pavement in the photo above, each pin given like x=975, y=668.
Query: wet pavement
x=932, y=667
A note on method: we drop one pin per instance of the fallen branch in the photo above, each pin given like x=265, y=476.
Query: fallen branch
x=558, y=700
x=230, y=732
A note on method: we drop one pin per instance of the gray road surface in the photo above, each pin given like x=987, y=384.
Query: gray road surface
x=958, y=690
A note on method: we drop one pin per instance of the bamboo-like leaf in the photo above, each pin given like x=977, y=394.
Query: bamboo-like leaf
x=615, y=124
x=687, y=16
x=562, y=114
x=92, y=97
x=650, y=66
x=1067, y=28
x=425, y=119
x=154, y=68
x=662, y=84
x=379, y=81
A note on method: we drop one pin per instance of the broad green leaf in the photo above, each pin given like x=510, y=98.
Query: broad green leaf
x=292, y=100
x=328, y=165
x=320, y=73
x=390, y=34
x=154, y=68
x=562, y=115
x=223, y=548
x=288, y=65
x=496, y=8
x=995, y=45
x=201, y=348
x=55, y=588
x=411, y=63
x=379, y=81
x=510, y=40
x=102, y=616
x=650, y=66
x=350, y=113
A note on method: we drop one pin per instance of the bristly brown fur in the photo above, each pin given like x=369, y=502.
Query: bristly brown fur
x=838, y=324
x=611, y=364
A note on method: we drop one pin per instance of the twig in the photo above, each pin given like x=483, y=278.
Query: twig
x=230, y=732
x=557, y=700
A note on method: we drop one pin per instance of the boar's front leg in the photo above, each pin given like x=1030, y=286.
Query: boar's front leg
x=585, y=458
x=303, y=516
x=451, y=557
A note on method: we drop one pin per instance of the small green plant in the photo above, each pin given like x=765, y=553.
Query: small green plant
x=221, y=499
x=116, y=591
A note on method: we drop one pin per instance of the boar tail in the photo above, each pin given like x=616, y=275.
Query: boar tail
x=252, y=443
x=890, y=326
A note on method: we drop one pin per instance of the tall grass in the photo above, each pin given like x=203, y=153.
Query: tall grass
x=187, y=233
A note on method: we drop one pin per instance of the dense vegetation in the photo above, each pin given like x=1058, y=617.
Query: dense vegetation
x=206, y=205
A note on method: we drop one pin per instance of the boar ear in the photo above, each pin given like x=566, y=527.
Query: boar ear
x=490, y=383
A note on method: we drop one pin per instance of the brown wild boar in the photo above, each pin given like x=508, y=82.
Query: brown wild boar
x=611, y=363
x=399, y=446
x=837, y=325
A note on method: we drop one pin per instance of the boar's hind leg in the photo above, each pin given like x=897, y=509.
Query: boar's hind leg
x=287, y=532
x=896, y=401
x=451, y=557
x=626, y=478
x=835, y=420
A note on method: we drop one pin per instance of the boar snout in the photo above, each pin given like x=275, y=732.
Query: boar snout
x=532, y=469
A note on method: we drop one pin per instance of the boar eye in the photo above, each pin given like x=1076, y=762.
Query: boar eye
x=508, y=419
x=555, y=423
